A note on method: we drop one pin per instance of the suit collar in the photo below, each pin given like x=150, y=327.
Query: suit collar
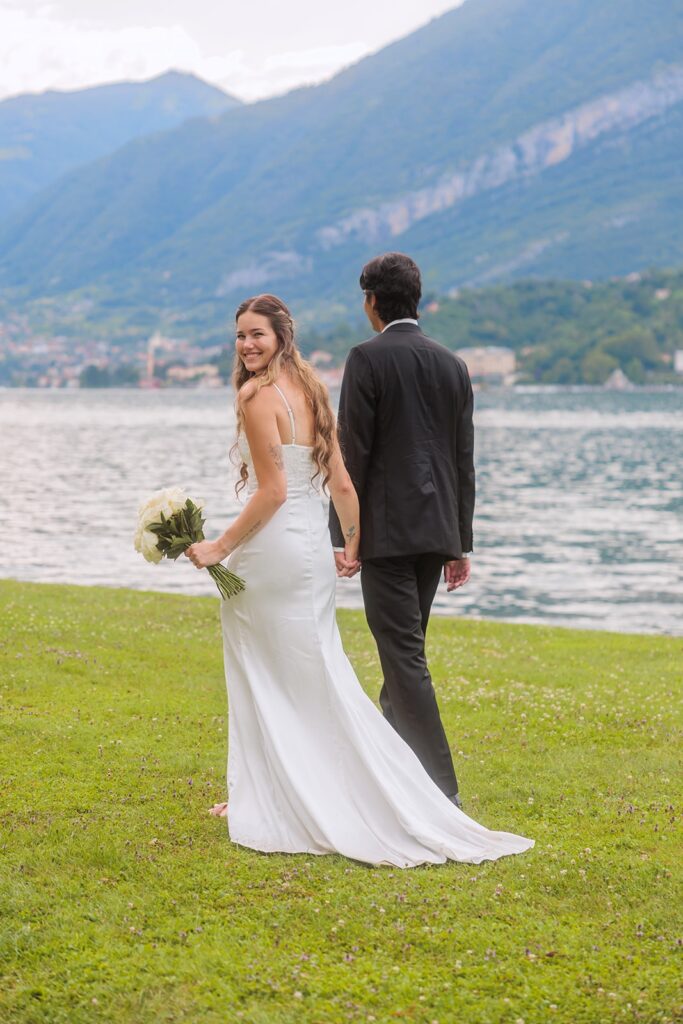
x=400, y=320
x=400, y=329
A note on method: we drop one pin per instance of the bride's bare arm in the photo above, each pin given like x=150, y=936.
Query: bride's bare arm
x=260, y=425
x=345, y=501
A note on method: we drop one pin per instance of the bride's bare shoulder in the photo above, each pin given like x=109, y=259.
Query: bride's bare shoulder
x=247, y=392
x=256, y=398
x=251, y=389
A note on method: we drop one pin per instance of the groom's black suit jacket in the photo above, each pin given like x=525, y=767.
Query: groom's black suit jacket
x=406, y=434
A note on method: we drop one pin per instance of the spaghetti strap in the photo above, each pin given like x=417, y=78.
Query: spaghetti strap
x=289, y=411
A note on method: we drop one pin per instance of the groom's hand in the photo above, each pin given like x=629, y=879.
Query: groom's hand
x=346, y=567
x=456, y=573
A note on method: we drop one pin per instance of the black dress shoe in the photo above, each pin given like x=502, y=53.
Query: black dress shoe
x=455, y=799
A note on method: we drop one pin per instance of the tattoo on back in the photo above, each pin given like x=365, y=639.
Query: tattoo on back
x=276, y=451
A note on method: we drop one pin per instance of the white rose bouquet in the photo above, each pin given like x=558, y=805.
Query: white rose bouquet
x=168, y=523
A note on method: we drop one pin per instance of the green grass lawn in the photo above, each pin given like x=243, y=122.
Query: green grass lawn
x=122, y=900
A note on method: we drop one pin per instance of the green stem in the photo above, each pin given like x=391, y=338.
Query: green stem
x=227, y=582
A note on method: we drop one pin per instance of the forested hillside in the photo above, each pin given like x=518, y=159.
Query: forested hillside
x=44, y=135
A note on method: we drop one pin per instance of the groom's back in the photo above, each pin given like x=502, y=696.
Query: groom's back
x=420, y=387
x=417, y=487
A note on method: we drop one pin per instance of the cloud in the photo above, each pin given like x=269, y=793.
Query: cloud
x=39, y=50
x=262, y=49
x=277, y=73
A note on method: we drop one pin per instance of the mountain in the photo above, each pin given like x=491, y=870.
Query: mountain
x=45, y=135
x=506, y=138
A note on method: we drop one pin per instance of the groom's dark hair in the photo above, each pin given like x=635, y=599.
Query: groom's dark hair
x=394, y=280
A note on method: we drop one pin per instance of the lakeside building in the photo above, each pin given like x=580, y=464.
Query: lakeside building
x=678, y=361
x=320, y=357
x=492, y=364
x=331, y=377
x=618, y=381
x=201, y=373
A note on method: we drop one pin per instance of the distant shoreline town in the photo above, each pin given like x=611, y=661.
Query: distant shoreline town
x=621, y=333
x=174, y=363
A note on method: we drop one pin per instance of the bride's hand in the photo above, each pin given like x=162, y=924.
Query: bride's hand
x=205, y=553
x=347, y=561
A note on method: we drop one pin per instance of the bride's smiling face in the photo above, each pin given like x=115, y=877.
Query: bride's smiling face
x=256, y=341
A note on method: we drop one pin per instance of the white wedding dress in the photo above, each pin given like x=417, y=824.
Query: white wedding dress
x=313, y=765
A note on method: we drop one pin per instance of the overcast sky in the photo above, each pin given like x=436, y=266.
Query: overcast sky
x=252, y=48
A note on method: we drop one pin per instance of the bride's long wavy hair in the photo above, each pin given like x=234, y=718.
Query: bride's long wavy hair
x=288, y=359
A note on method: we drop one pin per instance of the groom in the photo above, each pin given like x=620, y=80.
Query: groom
x=405, y=428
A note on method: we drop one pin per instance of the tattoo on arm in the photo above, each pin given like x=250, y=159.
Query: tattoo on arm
x=276, y=451
x=351, y=532
x=249, y=533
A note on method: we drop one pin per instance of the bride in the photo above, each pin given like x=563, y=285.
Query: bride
x=313, y=765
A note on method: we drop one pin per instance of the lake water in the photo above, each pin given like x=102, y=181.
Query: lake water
x=579, y=518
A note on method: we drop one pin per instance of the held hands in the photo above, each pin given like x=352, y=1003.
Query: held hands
x=456, y=573
x=205, y=553
x=347, y=562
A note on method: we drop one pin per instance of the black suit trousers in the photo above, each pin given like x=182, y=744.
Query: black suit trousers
x=398, y=594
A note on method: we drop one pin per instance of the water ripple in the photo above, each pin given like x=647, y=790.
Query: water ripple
x=579, y=498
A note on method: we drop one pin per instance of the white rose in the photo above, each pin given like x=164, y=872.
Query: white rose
x=176, y=498
x=150, y=510
x=163, y=505
x=148, y=547
x=137, y=542
x=154, y=499
x=169, y=500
